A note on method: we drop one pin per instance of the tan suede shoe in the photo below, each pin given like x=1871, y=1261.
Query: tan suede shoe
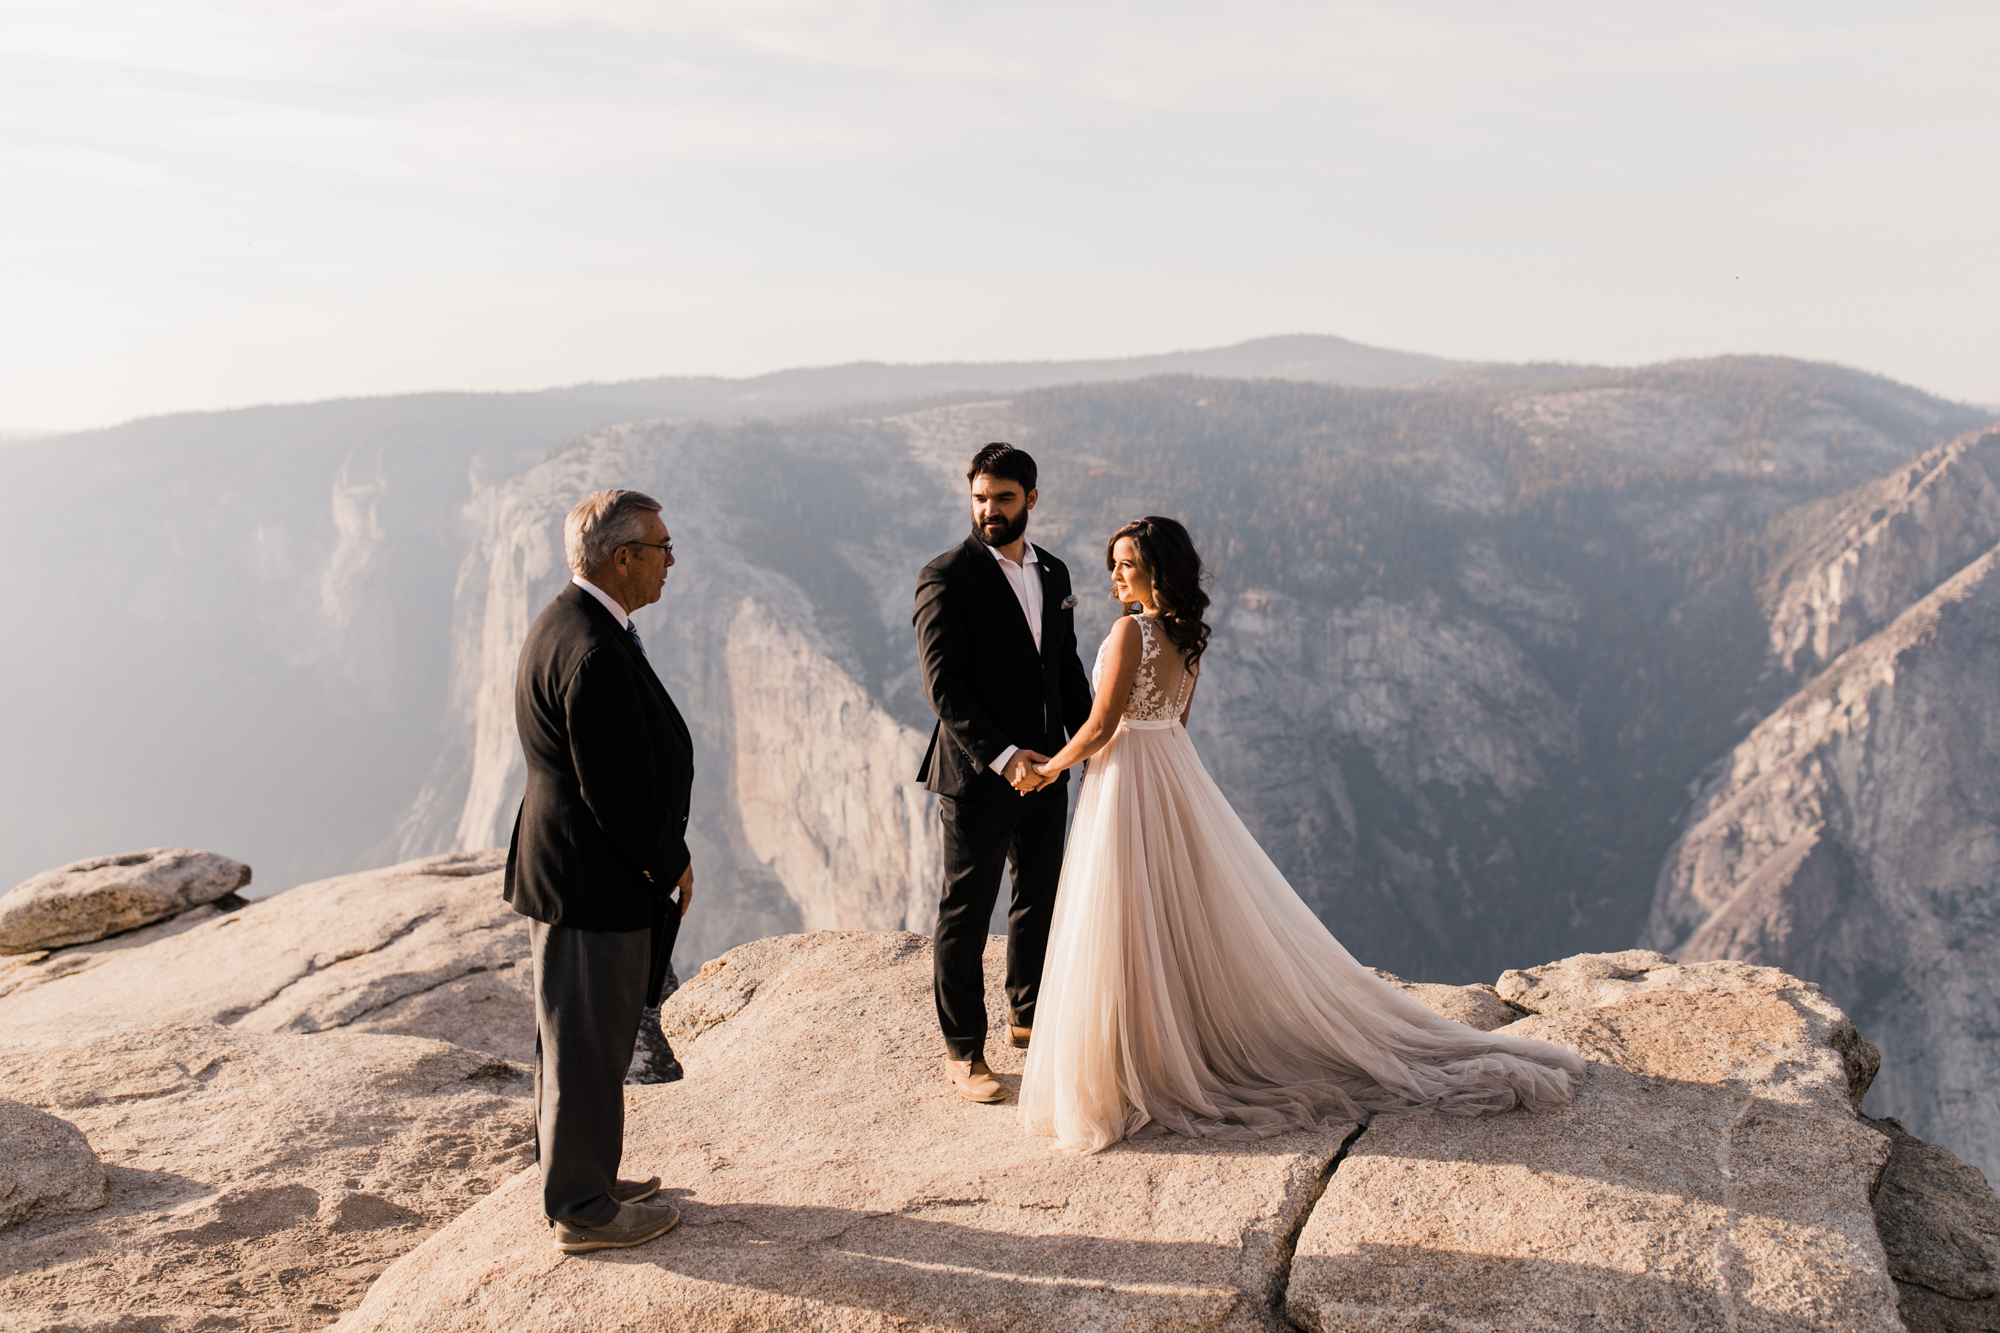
x=635, y=1224
x=974, y=1081
x=631, y=1191
x=1019, y=1036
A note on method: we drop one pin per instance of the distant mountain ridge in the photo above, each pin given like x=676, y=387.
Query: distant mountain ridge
x=1311, y=357
x=1315, y=357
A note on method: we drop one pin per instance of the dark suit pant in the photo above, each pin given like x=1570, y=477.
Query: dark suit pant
x=1025, y=834
x=589, y=988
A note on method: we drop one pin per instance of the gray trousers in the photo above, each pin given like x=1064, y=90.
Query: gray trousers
x=589, y=988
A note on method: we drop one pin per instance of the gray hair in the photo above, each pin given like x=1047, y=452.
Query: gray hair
x=602, y=523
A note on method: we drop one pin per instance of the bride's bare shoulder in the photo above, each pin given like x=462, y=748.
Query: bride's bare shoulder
x=1124, y=641
x=1125, y=632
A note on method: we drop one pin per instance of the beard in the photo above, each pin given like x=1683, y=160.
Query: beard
x=1005, y=535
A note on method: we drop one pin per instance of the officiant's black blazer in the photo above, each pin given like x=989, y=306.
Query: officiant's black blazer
x=601, y=837
x=982, y=675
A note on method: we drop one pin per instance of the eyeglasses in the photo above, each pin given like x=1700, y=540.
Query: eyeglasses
x=668, y=547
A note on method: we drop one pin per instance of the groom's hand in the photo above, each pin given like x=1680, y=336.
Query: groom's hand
x=686, y=885
x=1021, y=774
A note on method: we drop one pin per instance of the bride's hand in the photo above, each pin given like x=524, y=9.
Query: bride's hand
x=1048, y=770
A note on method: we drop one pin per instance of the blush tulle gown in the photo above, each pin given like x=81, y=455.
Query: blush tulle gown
x=1186, y=983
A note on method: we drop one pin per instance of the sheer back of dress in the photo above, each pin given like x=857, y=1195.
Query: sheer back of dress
x=1159, y=690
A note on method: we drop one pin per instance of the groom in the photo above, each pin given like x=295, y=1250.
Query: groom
x=996, y=641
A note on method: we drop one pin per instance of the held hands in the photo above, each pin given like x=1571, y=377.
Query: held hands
x=686, y=885
x=1023, y=774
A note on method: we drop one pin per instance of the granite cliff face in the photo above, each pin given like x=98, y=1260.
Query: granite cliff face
x=829, y=806
x=777, y=647
x=1473, y=641
x=1875, y=552
x=1854, y=835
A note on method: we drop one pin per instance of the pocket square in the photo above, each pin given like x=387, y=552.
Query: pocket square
x=1069, y=602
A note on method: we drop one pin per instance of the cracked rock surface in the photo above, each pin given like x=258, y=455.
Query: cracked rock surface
x=254, y=1181
x=829, y=1178
x=1711, y=1174
x=289, y=1098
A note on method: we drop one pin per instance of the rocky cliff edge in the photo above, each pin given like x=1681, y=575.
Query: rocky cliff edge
x=1712, y=1173
x=287, y=1097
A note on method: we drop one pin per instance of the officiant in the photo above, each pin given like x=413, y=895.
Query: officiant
x=599, y=846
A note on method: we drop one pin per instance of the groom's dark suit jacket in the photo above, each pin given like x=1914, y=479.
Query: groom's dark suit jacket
x=602, y=832
x=982, y=675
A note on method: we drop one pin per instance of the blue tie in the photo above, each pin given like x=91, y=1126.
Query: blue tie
x=632, y=631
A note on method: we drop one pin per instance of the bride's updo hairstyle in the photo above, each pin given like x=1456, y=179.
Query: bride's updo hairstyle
x=1168, y=554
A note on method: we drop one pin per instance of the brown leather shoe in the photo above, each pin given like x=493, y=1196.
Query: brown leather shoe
x=635, y=1224
x=974, y=1081
x=631, y=1191
x=1019, y=1036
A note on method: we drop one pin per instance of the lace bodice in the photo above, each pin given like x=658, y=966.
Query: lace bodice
x=1159, y=690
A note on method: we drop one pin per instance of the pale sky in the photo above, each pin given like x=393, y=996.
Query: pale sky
x=212, y=203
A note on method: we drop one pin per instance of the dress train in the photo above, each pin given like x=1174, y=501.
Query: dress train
x=1187, y=983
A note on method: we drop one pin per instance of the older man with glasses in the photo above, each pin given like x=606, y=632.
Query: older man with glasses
x=599, y=845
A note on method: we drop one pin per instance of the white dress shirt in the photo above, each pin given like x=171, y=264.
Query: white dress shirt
x=1026, y=581
x=618, y=612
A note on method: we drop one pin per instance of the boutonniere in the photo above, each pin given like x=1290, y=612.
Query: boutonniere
x=1069, y=602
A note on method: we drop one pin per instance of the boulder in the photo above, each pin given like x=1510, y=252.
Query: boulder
x=255, y=1181
x=829, y=1178
x=1940, y=1224
x=47, y=1168
x=1711, y=1173
x=88, y=900
x=426, y=948
x=1477, y=1006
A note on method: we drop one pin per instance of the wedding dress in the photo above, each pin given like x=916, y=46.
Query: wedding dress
x=1186, y=983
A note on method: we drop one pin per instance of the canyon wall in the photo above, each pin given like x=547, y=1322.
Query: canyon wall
x=805, y=815
x=1853, y=836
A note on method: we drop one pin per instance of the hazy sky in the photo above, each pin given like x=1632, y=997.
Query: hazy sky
x=211, y=203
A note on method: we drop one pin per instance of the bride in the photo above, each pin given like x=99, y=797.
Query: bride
x=1186, y=983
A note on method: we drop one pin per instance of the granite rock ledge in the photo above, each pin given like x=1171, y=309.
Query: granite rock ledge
x=1712, y=1173
x=295, y=1096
